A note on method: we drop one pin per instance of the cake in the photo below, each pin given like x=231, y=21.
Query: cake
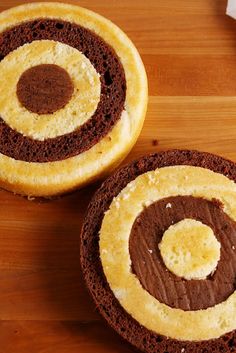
x=158, y=252
x=74, y=97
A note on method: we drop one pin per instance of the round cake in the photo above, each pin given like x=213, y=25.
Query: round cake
x=74, y=97
x=158, y=252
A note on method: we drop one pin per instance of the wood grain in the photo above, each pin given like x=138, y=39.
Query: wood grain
x=189, y=50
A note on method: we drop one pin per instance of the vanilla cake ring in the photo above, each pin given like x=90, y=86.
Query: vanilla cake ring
x=158, y=252
x=74, y=98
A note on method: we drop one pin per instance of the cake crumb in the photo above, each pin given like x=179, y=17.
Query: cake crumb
x=120, y=293
x=117, y=204
x=131, y=187
x=151, y=251
x=151, y=179
x=126, y=196
x=31, y=198
x=233, y=247
x=155, y=142
x=168, y=205
x=182, y=350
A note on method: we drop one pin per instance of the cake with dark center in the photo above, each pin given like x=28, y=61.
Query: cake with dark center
x=74, y=100
x=158, y=252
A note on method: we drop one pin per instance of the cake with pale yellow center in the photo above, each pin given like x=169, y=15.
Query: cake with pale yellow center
x=158, y=252
x=74, y=97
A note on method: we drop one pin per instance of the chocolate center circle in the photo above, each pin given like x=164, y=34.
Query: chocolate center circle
x=44, y=89
x=149, y=267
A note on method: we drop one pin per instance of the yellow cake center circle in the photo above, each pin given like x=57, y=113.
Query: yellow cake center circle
x=190, y=249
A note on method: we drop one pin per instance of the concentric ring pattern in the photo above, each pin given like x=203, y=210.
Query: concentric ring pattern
x=168, y=262
x=74, y=99
x=114, y=249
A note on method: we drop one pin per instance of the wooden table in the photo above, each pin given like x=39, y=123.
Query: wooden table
x=189, y=50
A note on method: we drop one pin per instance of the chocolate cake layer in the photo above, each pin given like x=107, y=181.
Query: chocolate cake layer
x=166, y=287
x=106, y=302
x=113, y=91
x=44, y=89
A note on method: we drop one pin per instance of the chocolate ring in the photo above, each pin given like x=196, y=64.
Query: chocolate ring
x=148, y=265
x=105, y=256
x=63, y=124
